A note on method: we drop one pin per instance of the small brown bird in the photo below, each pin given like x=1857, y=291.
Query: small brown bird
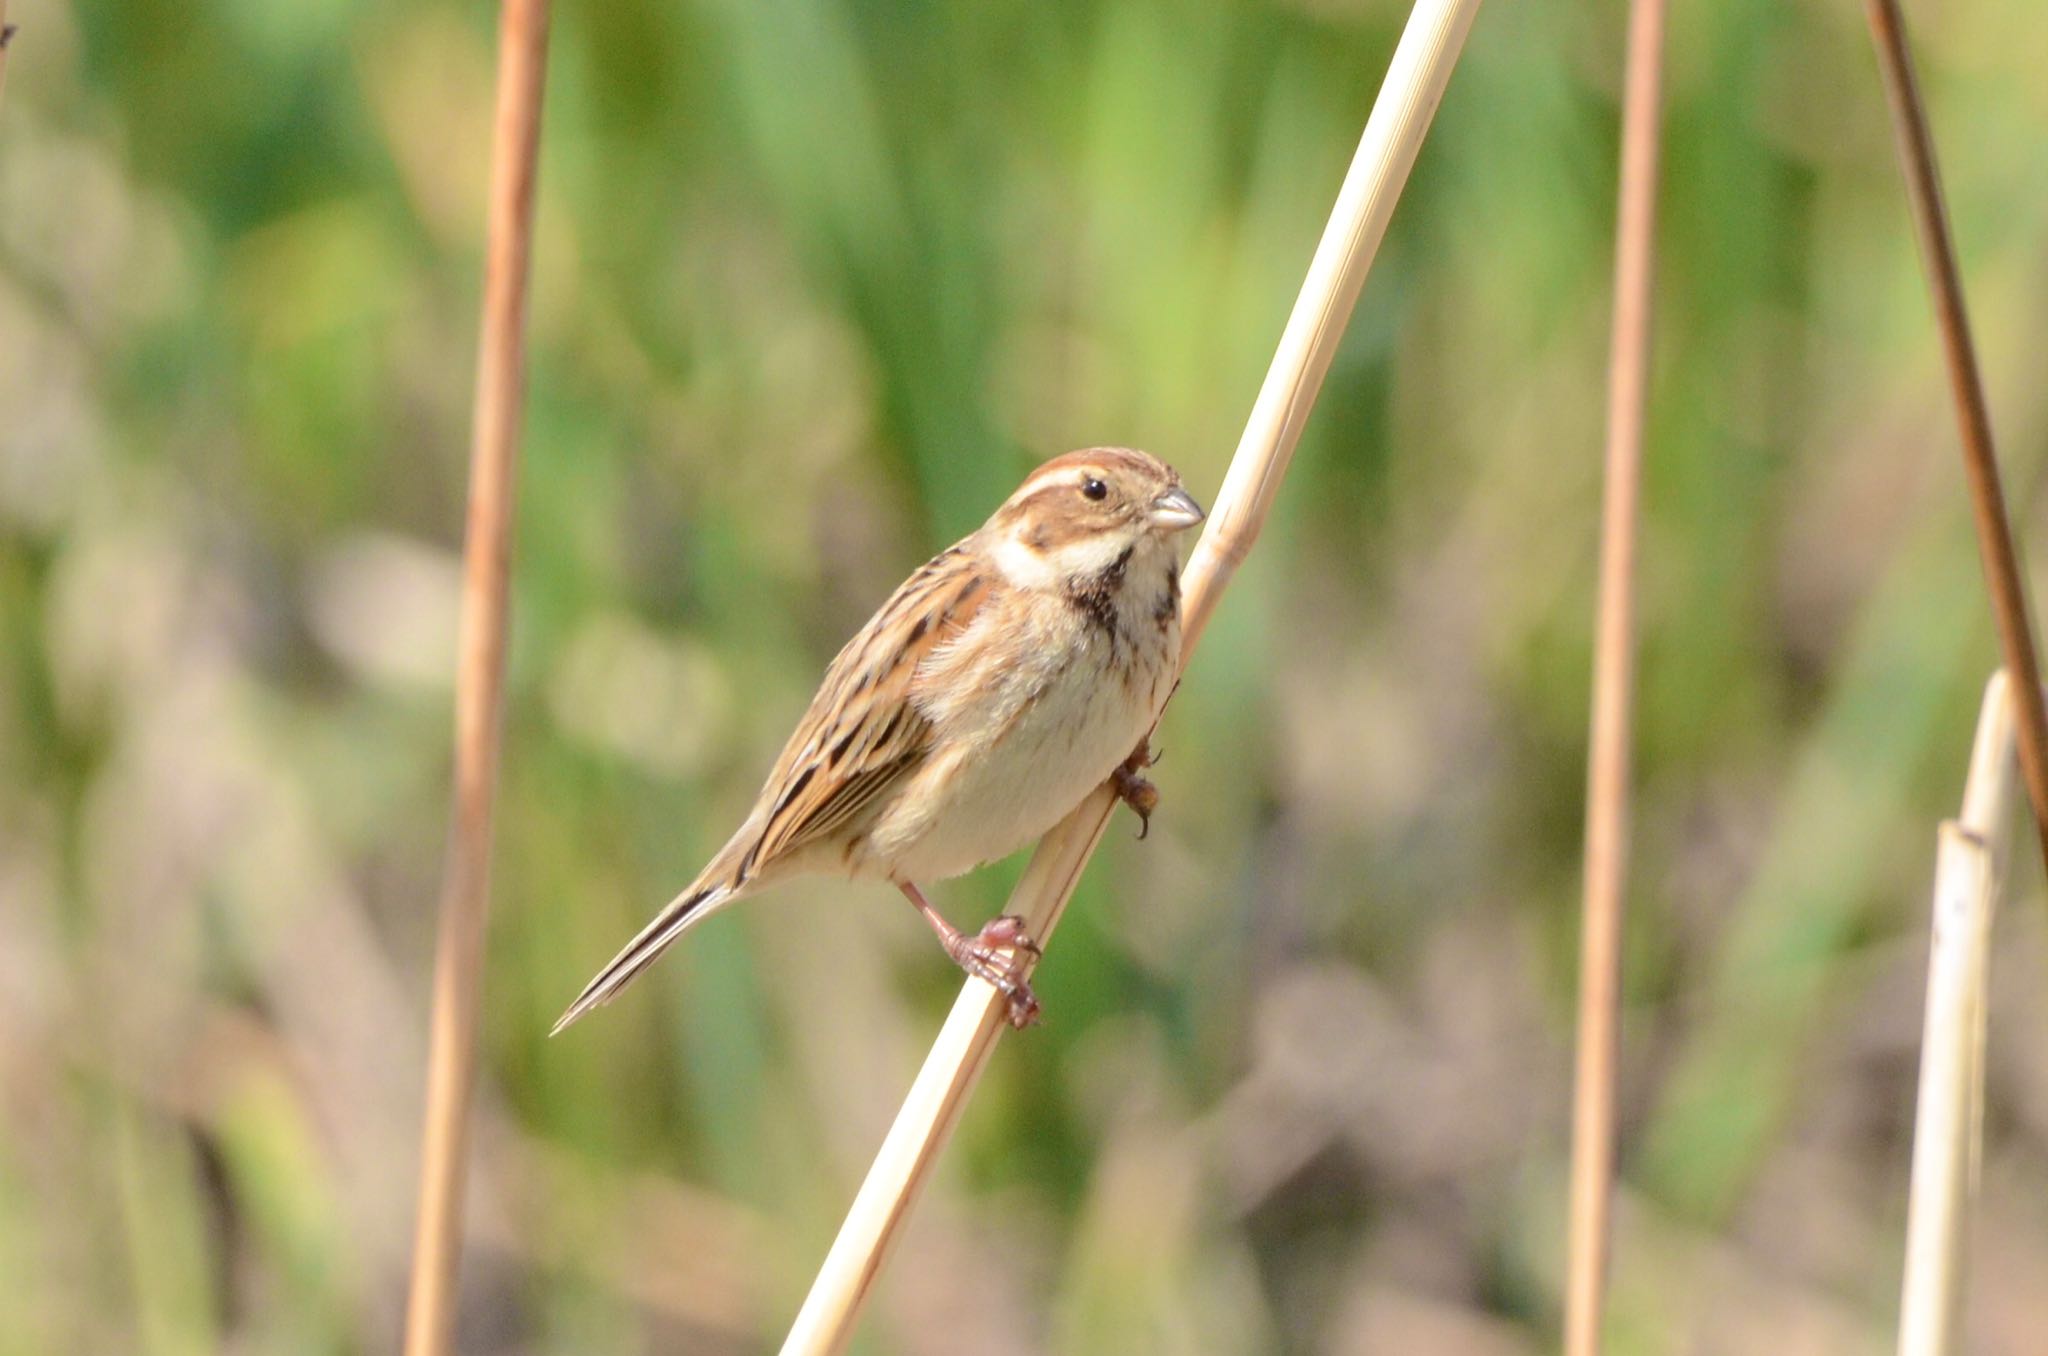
x=1007, y=678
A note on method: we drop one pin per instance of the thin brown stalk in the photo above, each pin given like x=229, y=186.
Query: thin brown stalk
x=480, y=673
x=1408, y=98
x=1948, y=1119
x=1614, y=657
x=2002, y=573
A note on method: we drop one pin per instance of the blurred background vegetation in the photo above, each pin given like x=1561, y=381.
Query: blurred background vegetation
x=817, y=281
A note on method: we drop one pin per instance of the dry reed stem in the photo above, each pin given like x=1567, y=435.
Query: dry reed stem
x=2002, y=574
x=480, y=673
x=1614, y=658
x=1408, y=98
x=1948, y=1121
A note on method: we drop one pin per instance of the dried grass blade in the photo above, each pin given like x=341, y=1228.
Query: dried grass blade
x=1415, y=81
x=480, y=674
x=1614, y=661
x=1948, y=1118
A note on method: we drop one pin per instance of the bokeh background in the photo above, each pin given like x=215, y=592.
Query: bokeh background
x=817, y=281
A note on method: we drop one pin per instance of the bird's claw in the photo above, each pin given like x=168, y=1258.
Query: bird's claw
x=996, y=955
x=1132, y=788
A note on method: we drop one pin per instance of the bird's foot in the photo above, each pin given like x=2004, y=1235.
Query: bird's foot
x=997, y=954
x=1132, y=788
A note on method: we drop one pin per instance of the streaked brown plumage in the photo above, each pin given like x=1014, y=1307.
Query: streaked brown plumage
x=1006, y=678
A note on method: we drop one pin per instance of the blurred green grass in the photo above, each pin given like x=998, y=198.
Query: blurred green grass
x=817, y=282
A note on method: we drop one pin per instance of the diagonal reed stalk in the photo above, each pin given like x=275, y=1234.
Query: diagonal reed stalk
x=1414, y=84
x=480, y=674
x=1614, y=657
x=2002, y=574
x=1948, y=1121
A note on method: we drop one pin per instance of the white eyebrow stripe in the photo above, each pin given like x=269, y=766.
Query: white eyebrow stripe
x=1072, y=476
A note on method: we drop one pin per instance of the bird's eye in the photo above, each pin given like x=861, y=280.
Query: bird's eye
x=1094, y=488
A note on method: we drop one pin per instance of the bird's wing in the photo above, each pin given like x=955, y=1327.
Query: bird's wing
x=863, y=734
x=864, y=731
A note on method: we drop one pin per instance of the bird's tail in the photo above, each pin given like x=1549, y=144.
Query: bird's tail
x=687, y=908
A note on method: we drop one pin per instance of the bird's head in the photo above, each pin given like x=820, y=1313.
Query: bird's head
x=1079, y=514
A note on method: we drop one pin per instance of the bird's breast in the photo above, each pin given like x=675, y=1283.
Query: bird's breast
x=1028, y=720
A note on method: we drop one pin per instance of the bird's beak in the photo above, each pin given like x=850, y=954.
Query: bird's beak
x=1175, y=510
